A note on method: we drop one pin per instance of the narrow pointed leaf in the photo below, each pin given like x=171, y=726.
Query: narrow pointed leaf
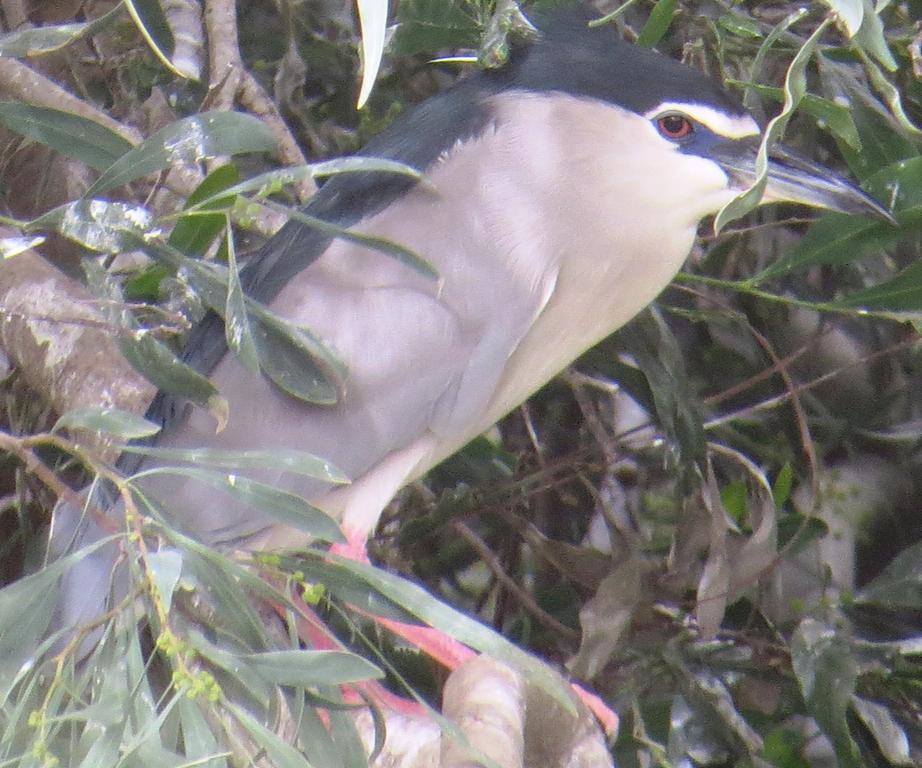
x=850, y=14
x=151, y=22
x=297, y=462
x=899, y=586
x=889, y=734
x=98, y=224
x=827, y=673
x=658, y=24
x=290, y=355
x=165, y=569
x=270, y=182
x=312, y=668
x=872, y=39
x=14, y=246
x=237, y=328
x=795, y=88
x=36, y=41
x=122, y=425
x=280, y=754
x=280, y=505
x=389, y=247
x=150, y=357
x=197, y=230
x=828, y=114
x=71, y=135
x=157, y=363
x=190, y=140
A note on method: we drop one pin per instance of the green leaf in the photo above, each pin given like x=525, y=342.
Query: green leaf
x=26, y=608
x=901, y=294
x=781, y=488
x=740, y=25
x=152, y=23
x=280, y=754
x=835, y=117
x=199, y=743
x=653, y=346
x=36, y=41
x=796, y=532
x=735, y=500
x=190, y=140
x=96, y=224
x=840, y=239
x=881, y=144
x=429, y=25
x=311, y=669
x=237, y=329
x=297, y=462
x=151, y=358
x=280, y=505
x=795, y=88
x=836, y=238
x=228, y=589
x=157, y=363
x=290, y=355
x=270, y=182
x=891, y=95
x=122, y=425
x=345, y=586
x=658, y=24
x=349, y=744
x=827, y=673
x=784, y=747
x=850, y=14
x=145, y=286
x=395, y=250
x=72, y=135
x=777, y=33
x=15, y=246
x=899, y=185
x=871, y=38
x=899, y=586
x=195, y=232
x=318, y=744
x=266, y=184
x=165, y=568
x=888, y=733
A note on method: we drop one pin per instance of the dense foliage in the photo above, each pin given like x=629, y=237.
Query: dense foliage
x=713, y=520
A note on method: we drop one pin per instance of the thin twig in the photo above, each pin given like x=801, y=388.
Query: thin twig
x=781, y=366
x=528, y=603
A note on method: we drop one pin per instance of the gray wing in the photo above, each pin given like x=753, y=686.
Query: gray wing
x=423, y=357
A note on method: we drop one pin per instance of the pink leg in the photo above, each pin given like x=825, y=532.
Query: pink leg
x=311, y=628
x=446, y=650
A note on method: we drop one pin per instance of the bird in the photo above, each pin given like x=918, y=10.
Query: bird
x=558, y=196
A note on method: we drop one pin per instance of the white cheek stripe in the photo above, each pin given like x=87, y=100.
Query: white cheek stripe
x=731, y=126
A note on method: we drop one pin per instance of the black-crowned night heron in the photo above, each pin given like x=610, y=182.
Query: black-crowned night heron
x=562, y=193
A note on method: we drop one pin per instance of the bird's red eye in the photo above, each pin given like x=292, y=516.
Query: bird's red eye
x=674, y=127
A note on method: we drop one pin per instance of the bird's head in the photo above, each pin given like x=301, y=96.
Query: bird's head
x=696, y=141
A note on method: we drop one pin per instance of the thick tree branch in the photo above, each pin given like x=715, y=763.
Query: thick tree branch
x=54, y=334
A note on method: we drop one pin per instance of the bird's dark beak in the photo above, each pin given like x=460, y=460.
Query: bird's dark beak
x=795, y=179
